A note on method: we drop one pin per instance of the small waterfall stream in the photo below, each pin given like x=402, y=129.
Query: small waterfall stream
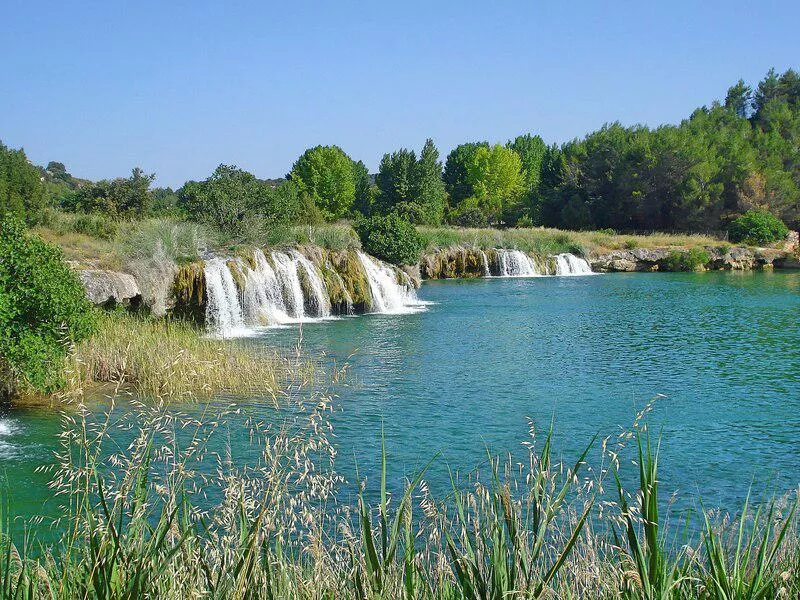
x=223, y=309
x=515, y=263
x=569, y=264
x=388, y=296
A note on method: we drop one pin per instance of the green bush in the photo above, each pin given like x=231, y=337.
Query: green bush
x=757, y=227
x=43, y=309
x=692, y=260
x=390, y=238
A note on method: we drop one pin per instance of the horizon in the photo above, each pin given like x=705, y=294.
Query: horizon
x=256, y=86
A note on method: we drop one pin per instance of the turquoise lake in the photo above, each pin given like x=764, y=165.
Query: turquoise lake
x=719, y=351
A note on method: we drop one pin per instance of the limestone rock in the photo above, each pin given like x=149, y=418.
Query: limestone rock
x=107, y=287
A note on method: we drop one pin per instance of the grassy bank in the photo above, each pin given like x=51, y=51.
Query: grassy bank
x=538, y=528
x=553, y=241
x=174, y=359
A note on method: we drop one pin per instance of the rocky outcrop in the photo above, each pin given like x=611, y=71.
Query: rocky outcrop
x=110, y=288
x=676, y=259
x=456, y=262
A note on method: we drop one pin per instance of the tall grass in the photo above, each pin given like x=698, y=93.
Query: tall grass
x=174, y=359
x=155, y=507
x=553, y=241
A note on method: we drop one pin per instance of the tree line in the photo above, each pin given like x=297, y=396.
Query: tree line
x=736, y=155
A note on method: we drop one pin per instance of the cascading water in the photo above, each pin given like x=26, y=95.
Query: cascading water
x=319, y=301
x=286, y=287
x=569, y=264
x=263, y=294
x=515, y=263
x=223, y=309
x=388, y=296
x=486, y=270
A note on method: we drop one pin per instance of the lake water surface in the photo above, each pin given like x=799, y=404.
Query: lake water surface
x=720, y=351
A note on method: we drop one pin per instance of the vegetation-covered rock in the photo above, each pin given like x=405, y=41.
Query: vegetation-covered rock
x=189, y=292
x=354, y=278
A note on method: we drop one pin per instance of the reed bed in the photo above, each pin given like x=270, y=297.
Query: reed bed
x=173, y=359
x=545, y=241
x=154, y=506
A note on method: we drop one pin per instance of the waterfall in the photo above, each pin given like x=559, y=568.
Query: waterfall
x=515, y=263
x=569, y=264
x=388, y=296
x=486, y=271
x=286, y=269
x=319, y=301
x=263, y=294
x=223, y=309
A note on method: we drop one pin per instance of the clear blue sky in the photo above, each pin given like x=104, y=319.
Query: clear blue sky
x=178, y=87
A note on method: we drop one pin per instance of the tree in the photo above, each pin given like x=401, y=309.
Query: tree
x=531, y=150
x=22, y=192
x=456, y=179
x=117, y=198
x=365, y=191
x=497, y=180
x=236, y=202
x=43, y=309
x=428, y=187
x=411, y=187
x=326, y=174
x=739, y=99
x=395, y=180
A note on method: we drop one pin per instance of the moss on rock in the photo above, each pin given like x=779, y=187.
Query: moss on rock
x=354, y=278
x=189, y=292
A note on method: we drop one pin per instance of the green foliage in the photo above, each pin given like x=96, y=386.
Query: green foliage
x=531, y=150
x=43, y=309
x=696, y=176
x=116, y=198
x=239, y=205
x=757, y=227
x=22, y=192
x=328, y=176
x=691, y=260
x=366, y=192
x=497, y=179
x=94, y=225
x=391, y=238
x=455, y=176
x=411, y=187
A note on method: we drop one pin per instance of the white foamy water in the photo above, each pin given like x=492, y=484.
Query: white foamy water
x=569, y=264
x=388, y=296
x=223, y=309
x=7, y=430
x=285, y=288
x=515, y=263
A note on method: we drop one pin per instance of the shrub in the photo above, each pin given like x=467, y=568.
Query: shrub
x=43, y=309
x=607, y=231
x=692, y=260
x=390, y=238
x=631, y=244
x=757, y=227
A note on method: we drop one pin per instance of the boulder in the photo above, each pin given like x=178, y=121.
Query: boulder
x=110, y=287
